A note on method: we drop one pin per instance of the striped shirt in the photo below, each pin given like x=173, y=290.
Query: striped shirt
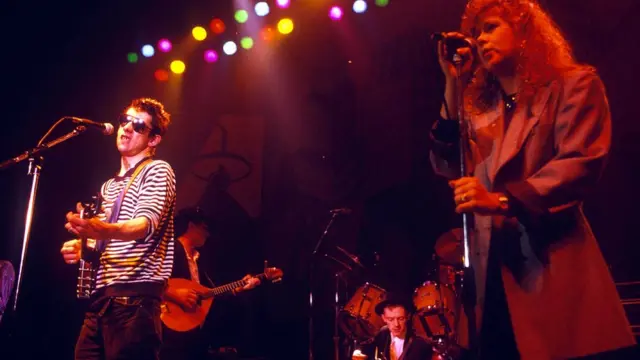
x=150, y=259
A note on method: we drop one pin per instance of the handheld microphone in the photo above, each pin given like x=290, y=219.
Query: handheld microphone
x=453, y=43
x=107, y=129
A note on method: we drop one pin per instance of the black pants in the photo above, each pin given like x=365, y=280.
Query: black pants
x=121, y=328
x=497, y=340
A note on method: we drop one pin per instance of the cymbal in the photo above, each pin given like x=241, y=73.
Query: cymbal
x=449, y=247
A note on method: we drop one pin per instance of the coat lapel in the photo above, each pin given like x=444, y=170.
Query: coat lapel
x=521, y=125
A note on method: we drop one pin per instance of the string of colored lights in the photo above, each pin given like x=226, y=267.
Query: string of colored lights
x=217, y=27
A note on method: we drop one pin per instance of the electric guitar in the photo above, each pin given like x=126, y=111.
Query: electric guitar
x=176, y=318
x=88, y=257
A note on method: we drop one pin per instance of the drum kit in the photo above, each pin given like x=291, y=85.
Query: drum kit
x=437, y=301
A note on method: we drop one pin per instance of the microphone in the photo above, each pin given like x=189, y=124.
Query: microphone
x=107, y=129
x=453, y=43
x=345, y=211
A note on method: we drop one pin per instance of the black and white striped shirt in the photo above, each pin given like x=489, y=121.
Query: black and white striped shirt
x=148, y=260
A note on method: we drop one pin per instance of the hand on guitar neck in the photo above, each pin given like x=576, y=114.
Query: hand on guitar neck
x=86, y=227
x=250, y=281
x=72, y=250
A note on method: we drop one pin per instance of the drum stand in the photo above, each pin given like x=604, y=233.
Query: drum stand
x=336, y=320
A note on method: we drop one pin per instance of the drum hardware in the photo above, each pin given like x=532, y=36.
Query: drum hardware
x=350, y=256
x=344, y=267
x=334, y=216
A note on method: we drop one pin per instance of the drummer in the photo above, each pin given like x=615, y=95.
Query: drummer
x=396, y=338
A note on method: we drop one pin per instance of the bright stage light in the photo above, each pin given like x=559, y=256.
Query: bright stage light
x=199, y=33
x=262, y=8
x=217, y=26
x=359, y=6
x=335, y=13
x=177, y=66
x=210, y=56
x=285, y=26
x=161, y=75
x=132, y=57
x=241, y=16
x=229, y=48
x=148, y=51
x=164, y=45
x=246, y=43
x=382, y=3
x=283, y=4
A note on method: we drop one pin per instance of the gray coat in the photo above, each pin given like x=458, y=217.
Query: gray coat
x=562, y=299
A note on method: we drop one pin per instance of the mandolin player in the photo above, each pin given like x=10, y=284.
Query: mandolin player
x=192, y=232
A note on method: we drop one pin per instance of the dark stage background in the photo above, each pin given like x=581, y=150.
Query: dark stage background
x=335, y=115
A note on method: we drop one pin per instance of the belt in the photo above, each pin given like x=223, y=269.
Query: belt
x=120, y=300
x=127, y=300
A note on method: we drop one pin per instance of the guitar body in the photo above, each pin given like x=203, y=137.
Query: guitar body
x=178, y=319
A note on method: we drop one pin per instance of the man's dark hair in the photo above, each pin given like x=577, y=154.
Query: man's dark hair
x=193, y=215
x=160, y=118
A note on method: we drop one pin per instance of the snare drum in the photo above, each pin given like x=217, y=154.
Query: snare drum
x=436, y=307
x=358, y=317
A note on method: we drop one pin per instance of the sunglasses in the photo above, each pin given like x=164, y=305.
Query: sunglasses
x=138, y=124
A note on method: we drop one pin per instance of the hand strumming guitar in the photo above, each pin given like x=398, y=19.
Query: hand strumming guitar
x=188, y=298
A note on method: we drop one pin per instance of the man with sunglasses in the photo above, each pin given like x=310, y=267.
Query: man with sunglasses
x=133, y=240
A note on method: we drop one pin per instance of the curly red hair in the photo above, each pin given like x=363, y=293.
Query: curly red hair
x=545, y=54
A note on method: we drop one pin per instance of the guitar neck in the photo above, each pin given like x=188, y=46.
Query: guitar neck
x=224, y=289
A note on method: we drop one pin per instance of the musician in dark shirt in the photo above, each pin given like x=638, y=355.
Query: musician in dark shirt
x=192, y=230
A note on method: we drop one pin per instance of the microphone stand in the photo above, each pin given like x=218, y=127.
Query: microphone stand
x=334, y=216
x=468, y=293
x=35, y=168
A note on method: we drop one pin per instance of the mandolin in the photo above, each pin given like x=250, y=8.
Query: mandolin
x=178, y=319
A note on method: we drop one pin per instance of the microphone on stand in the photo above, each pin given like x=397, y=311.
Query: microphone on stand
x=107, y=129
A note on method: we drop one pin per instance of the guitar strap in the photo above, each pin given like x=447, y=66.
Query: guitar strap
x=115, y=210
